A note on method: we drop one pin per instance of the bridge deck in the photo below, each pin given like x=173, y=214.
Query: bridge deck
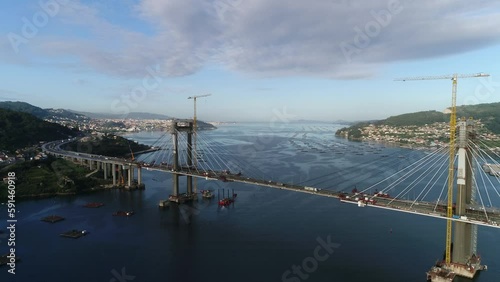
x=490, y=218
x=477, y=216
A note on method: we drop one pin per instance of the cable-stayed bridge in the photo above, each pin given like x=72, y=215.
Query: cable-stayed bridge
x=419, y=187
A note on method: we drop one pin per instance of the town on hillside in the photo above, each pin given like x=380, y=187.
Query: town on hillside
x=432, y=135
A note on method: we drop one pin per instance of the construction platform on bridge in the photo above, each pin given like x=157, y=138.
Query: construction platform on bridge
x=438, y=274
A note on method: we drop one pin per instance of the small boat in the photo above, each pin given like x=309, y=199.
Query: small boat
x=93, y=205
x=123, y=213
x=207, y=194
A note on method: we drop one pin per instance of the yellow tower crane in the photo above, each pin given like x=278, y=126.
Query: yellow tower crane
x=453, y=124
x=195, y=157
x=194, y=99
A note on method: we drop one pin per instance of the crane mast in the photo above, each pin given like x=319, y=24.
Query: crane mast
x=451, y=170
x=195, y=126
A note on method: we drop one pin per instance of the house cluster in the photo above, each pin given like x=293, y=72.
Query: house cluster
x=6, y=158
x=20, y=155
x=435, y=134
x=123, y=125
x=429, y=135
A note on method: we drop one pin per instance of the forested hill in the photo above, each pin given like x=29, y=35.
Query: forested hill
x=18, y=130
x=489, y=114
x=418, y=118
x=46, y=114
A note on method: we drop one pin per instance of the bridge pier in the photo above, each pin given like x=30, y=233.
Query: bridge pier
x=121, y=172
x=189, y=162
x=113, y=172
x=130, y=175
x=105, y=170
x=139, y=175
x=175, y=177
x=465, y=235
x=464, y=259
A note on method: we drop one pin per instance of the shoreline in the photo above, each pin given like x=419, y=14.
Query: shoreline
x=411, y=146
x=66, y=194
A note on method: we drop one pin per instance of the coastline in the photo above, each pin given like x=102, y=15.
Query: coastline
x=411, y=146
x=65, y=194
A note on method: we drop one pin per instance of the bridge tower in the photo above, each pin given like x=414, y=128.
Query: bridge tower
x=176, y=128
x=465, y=234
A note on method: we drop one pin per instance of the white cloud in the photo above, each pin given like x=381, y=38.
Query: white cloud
x=336, y=39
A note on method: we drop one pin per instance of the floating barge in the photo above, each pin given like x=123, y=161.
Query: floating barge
x=93, y=205
x=438, y=274
x=52, y=218
x=123, y=213
x=182, y=198
x=446, y=273
x=74, y=234
x=5, y=259
x=164, y=204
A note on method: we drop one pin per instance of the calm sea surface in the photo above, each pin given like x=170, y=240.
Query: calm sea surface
x=267, y=235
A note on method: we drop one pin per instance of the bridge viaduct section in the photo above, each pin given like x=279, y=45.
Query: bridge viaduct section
x=120, y=171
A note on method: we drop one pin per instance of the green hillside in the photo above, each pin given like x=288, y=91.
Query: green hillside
x=489, y=114
x=48, y=177
x=18, y=130
x=47, y=114
x=24, y=107
x=418, y=119
x=106, y=145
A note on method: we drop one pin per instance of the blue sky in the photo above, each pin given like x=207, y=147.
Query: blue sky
x=334, y=59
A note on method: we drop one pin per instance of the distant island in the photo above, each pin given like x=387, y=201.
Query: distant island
x=426, y=128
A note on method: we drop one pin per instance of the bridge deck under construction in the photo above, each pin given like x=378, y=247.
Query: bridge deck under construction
x=479, y=216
